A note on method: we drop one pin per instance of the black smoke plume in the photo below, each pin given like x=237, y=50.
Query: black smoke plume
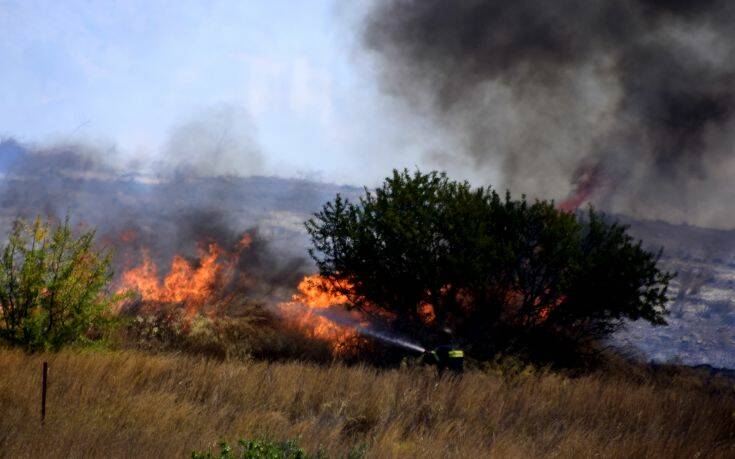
x=637, y=94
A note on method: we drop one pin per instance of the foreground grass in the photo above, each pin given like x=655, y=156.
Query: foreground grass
x=132, y=404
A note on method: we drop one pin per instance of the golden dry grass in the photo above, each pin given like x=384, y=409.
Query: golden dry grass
x=131, y=404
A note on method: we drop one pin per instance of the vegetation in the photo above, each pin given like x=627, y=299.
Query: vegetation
x=424, y=252
x=104, y=404
x=254, y=333
x=53, y=286
x=420, y=253
x=255, y=449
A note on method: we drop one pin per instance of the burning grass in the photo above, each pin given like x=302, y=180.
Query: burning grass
x=127, y=404
x=191, y=285
x=205, y=293
x=307, y=308
x=256, y=335
x=231, y=326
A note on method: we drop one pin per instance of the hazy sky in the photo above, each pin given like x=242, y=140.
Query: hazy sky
x=288, y=77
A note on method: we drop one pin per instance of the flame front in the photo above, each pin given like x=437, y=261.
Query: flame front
x=319, y=292
x=185, y=283
x=316, y=295
x=196, y=286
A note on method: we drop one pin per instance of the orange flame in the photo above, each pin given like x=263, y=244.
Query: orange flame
x=184, y=283
x=586, y=183
x=317, y=293
x=427, y=314
x=541, y=309
x=245, y=241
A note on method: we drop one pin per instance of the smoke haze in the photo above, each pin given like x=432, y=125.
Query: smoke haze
x=217, y=142
x=627, y=104
x=191, y=201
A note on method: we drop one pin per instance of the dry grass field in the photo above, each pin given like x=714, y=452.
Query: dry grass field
x=132, y=404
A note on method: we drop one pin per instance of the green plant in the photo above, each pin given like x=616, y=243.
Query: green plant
x=53, y=286
x=255, y=449
x=358, y=451
x=425, y=252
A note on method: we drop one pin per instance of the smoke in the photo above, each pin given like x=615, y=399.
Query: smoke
x=217, y=142
x=628, y=104
x=189, y=203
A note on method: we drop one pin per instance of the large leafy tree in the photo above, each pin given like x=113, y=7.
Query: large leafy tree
x=423, y=252
x=53, y=286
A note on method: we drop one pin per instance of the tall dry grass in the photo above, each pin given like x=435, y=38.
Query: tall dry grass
x=131, y=404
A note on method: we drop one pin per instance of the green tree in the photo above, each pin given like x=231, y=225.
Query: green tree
x=53, y=286
x=423, y=252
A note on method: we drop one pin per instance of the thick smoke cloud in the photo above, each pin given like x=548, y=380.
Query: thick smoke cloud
x=627, y=103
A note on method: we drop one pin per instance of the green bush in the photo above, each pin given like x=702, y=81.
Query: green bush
x=255, y=449
x=53, y=287
x=265, y=449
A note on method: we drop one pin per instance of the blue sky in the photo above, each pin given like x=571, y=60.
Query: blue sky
x=288, y=78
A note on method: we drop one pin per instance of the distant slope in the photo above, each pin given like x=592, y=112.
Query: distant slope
x=174, y=212
x=701, y=326
x=685, y=241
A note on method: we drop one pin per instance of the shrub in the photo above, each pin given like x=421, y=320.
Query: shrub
x=53, y=286
x=255, y=449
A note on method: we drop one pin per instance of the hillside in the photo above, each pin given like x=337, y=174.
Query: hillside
x=701, y=326
x=105, y=405
x=173, y=214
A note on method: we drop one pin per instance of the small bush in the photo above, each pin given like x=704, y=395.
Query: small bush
x=53, y=287
x=255, y=449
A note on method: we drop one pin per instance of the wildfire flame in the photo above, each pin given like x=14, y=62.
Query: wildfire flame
x=319, y=292
x=541, y=308
x=194, y=284
x=316, y=295
x=318, y=308
x=587, y=181
x=427, y=314
x=190, y=284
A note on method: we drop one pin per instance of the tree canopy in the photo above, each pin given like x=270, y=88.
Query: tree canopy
x=423, y=252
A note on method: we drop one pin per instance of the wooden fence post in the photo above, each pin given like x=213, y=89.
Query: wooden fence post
x=43, y=392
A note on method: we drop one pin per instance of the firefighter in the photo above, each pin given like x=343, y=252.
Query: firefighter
x=447, y=355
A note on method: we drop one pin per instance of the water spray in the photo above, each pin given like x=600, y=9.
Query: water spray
x=390, y=339
x=382, y=336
